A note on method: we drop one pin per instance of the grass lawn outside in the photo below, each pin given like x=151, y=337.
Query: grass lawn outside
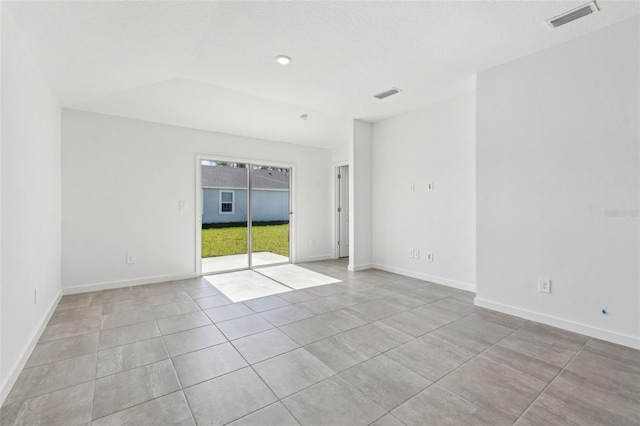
x=229, y=241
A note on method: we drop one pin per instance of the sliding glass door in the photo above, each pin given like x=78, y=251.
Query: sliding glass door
x=270, y=210
x=245, y=215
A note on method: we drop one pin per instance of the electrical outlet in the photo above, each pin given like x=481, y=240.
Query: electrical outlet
x=416, y=254
x=430, y=186
x=430, y=257
x=131, y=259
x=544, y=285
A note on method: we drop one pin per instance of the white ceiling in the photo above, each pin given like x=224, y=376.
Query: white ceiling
x=210, y=65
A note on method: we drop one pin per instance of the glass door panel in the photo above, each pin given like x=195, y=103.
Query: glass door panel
x=270, y=211
x=225, y=213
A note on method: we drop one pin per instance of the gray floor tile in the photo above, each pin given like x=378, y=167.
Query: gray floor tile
x=267, y=303
x=64, y=330
x=603, y=364
x=205, y=364
x=121, y=358
x=183, y=322
x=499, y=318
x=77, y=314
x=79, y=300
x=70, y=406
x=170, y=409
x=286, y=315
x=292, y=371
x=412, y=323
x=333, y=402
x=430, y=293
x=132, y=387
x=327, y=289
x=120, y=319
x=375, y=310
x=309, y=330
x=166, y=298
x=494, y=387
x=595, y=402
x=298, y=296
x=53, y=376
x=404, y=301
x=244, y=326
x=446, y=310
x=429, y=356
x=128, y=334
x=228, y=312
x=613, y=352
x=385, y=381
x=237, y=394
x=438, y=406
x=193, y=340
x=325, y=304
x=161, y=288
x=213, y=301
x=388, y=420
x=195, y=283
x=125, y=305
x=523, y=363
x=123, y=293
x=56, y=350
x=264, y=345
x=339, y=352
x=378, y=335
x=206, y=291
x=275, y=415
x=545, y=343
x=472, y=334
x=341, y=320
x=175, y=308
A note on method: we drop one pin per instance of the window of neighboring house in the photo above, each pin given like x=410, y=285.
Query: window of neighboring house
x=226, y=202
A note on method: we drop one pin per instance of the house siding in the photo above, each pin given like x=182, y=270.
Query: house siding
x=267, y=206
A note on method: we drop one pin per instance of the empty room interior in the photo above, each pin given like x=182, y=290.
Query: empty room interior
x=320, y=213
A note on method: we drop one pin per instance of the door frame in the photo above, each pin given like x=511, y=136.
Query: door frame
x=336, y=203
x=198, y=203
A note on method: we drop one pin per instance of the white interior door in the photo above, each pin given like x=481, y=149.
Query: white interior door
x=343, y=211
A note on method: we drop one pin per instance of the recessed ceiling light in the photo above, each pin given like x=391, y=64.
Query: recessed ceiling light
x=283, y=59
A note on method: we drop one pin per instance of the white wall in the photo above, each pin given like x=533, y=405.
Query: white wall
x=360, y=193
x=557, y=151
x=434, y=144
x=31, y=210
x=123, y=180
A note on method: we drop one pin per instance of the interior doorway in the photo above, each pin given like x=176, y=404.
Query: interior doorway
x=342, y=185
x=245, y=215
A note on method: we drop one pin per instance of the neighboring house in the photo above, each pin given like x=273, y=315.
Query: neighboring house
x=224, y=195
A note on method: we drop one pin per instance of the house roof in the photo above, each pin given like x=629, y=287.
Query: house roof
x=234, y=177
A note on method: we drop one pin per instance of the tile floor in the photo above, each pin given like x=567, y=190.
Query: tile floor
x=374, y=349
x=217, y=264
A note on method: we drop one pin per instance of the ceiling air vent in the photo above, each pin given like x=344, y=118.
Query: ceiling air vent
x=572, y=15
x=387, y=93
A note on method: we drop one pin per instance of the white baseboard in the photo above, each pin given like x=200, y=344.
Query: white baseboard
x=426, y=277
x=588, y=330
x=356, y=268
x=16, y=369
x=125, y=283
x=313, y=258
